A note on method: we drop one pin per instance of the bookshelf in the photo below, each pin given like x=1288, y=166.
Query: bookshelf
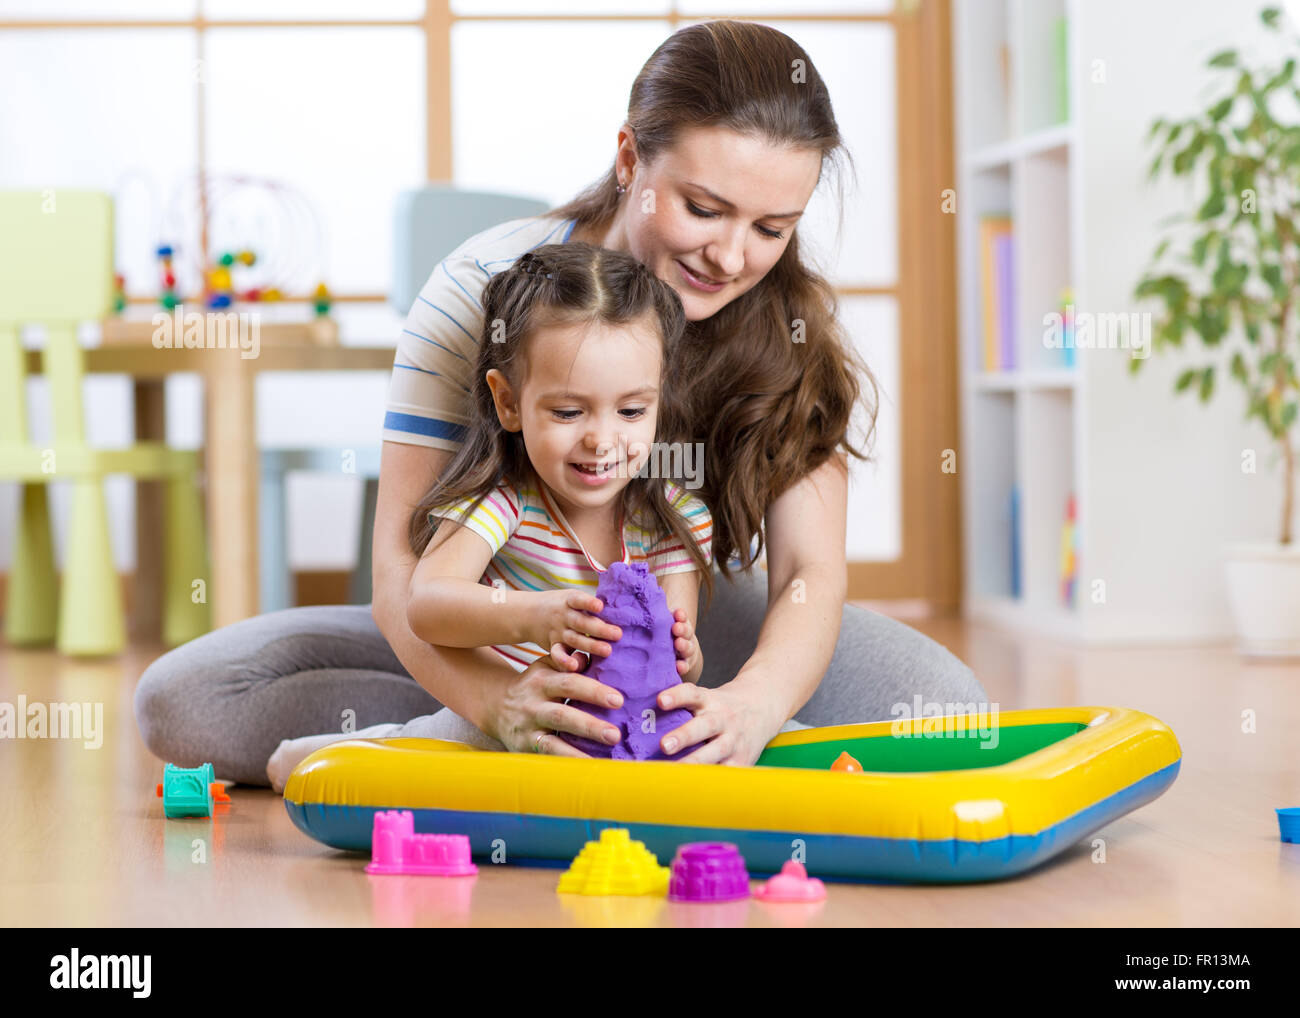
x=1018, y=146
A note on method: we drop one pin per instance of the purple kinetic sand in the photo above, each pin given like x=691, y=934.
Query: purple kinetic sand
x=640, y=665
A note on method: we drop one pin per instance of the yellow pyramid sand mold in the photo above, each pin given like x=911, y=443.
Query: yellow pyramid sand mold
x=615, y=865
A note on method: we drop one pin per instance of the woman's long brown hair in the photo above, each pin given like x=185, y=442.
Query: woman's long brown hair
x=562, y=284
x=771, y=403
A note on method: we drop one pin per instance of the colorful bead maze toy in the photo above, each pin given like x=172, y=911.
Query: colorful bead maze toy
x=168, y=297
x=240, y=239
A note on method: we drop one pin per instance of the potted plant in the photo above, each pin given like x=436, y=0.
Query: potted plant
x=1228, y=272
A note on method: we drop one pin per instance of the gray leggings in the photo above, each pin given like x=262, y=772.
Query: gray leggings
x=231, y=696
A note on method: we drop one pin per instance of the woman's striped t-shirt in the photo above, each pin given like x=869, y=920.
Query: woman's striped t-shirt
x=535, y=548
x=429, y=393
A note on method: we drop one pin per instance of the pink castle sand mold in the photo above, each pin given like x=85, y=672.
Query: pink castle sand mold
x=641, y=664
x=791, y=884
x=396, y=848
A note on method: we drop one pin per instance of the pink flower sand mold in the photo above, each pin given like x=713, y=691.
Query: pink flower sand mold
x=396, y=848
x=708, y=871
x=641, y=664
x=791, y=884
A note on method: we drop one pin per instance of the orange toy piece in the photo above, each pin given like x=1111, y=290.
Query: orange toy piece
x=219, y=793
x=846, y=763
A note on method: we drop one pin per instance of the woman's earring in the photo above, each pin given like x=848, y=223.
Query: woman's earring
x=621, y=188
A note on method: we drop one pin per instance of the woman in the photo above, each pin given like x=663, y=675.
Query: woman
x=728, y=128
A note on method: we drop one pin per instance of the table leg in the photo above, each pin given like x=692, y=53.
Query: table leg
x=146, y=600
x=231, y=447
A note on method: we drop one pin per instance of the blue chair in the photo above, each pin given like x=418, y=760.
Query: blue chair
x=429, y=223
x=277, y=464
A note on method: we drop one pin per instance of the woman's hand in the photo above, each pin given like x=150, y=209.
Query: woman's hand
x=736, y=726
x=534, y=709
x=565, y=621
x=690, y=660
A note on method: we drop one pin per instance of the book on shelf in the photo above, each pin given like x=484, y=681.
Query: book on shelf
x=1067, y=328
x=1061, y=31
x=1005, y=277
x=1069, y=554
x=1007, y=96
x=997, y=293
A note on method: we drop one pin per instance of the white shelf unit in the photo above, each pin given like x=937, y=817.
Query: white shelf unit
x=1021, y=427
x=1159, y=486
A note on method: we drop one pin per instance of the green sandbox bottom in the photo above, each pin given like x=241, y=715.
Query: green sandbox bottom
x=938, y=751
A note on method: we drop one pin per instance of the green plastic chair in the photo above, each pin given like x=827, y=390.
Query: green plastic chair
x=56, y=270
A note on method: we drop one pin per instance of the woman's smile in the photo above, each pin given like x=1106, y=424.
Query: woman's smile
x=698, y=281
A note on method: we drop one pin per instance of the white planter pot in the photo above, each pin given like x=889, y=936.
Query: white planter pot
x=1264, y=596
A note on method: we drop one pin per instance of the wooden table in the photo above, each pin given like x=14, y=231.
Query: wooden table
x=230, y=456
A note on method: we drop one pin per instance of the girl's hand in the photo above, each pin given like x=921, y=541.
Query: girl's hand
x=737, y=728
x=534, y=709
x=565, y=621
x=690, y=660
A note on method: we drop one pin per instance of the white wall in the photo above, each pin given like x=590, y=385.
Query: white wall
x=1164, y=479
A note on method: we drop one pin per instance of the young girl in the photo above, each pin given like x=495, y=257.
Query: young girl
x=556, y=479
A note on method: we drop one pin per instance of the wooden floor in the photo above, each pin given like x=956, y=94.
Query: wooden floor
x=83, y=840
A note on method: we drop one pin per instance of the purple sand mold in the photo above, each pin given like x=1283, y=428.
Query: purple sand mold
x=640, y=665
x=708, y=871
